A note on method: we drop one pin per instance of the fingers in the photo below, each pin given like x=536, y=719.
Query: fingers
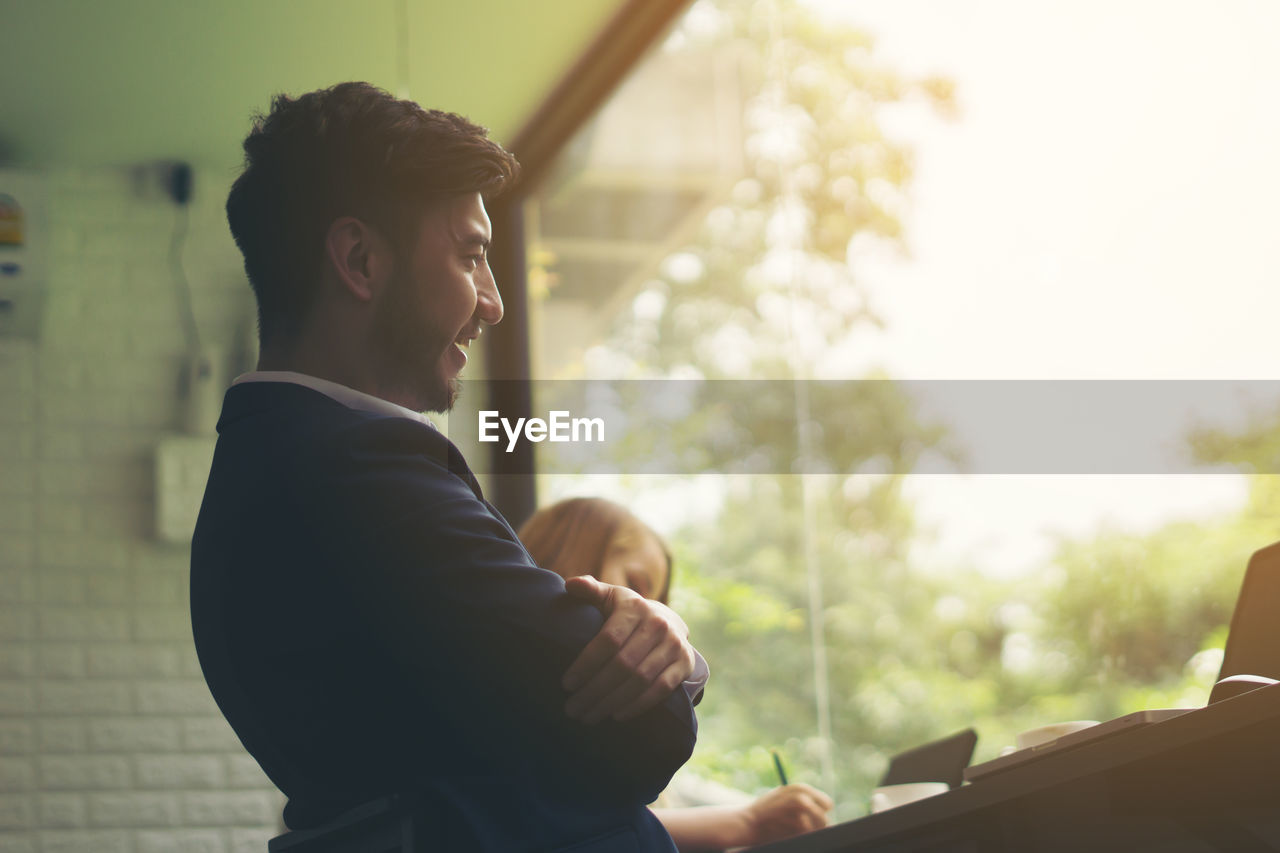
x=635, y=661
x=651, y=663
x=656, y=691
x=818, y=797
x=810, y=806
x=813, y=814
x=788, y=811
x=589, y=589
x=610, y=666
x=605, y=644
x=615, y=691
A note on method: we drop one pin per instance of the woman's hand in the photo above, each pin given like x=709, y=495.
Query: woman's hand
x=785, y=812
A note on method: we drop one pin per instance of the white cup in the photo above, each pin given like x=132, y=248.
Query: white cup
x=1053, y=731
x=891, y=796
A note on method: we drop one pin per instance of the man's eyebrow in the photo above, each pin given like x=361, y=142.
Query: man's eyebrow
x=474, y=240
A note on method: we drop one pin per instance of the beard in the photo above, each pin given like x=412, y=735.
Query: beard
x=411, y=353
x=452, y=388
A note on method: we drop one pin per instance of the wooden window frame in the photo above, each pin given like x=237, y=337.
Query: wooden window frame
x=597, y=73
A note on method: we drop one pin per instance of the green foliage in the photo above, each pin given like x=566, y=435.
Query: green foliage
x=1255, y=448
x=1162, y=594
x=1114, y=623
x=767, y=276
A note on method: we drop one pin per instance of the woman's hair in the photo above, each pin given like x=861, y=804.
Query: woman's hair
x=572, y=537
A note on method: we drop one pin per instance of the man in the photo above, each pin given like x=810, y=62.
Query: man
x=366, y=621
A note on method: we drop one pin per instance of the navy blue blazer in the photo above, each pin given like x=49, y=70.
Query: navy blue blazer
x=370, y=625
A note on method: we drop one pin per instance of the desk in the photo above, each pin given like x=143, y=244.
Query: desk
x=1208, y=780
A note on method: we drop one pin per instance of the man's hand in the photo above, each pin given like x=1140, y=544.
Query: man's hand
x=640, y=655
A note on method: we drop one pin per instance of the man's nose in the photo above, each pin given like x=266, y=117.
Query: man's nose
x=488, y=300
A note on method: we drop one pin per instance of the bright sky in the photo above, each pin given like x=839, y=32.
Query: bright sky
x=1104, y=207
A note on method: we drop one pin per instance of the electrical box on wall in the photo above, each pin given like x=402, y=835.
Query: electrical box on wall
x=24, y=249
x=182, y=469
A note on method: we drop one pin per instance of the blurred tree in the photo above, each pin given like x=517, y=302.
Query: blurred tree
x=768, y=281
x=1115, y=623
x=766, y=291
x=1162, y=594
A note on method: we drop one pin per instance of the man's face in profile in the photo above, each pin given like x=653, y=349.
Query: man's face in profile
x=441, y=295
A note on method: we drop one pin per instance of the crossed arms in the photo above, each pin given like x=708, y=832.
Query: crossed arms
x=585, y=676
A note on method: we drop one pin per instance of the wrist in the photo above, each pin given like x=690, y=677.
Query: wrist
x=746, y=827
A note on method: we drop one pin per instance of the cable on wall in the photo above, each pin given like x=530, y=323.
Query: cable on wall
x=179, y=186
x=201, y=389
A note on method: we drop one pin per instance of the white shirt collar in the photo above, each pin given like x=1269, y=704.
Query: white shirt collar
x=349, y=397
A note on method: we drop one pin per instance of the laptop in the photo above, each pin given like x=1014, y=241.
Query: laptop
x=1252, y=656
x=1251, y=660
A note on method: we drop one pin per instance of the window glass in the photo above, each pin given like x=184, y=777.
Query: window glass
x=892, y=312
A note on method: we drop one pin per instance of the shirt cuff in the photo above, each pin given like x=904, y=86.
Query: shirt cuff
x=697, y=680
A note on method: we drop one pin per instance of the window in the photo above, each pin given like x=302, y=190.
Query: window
x=790, y=209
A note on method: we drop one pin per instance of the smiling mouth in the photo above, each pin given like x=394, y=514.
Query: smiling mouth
x=461, y=345
x=463, y=341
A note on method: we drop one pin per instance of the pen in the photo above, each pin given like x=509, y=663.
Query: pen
x=777, y=763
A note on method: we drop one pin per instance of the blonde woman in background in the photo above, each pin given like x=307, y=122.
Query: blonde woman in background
x=593, y=536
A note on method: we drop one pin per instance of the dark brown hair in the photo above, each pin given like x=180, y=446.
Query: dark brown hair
x=572, y=537
x=349, y=150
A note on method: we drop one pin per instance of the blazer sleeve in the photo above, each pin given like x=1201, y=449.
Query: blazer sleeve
x=484, y=634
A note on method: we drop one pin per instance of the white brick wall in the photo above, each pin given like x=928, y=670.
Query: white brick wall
x=109, y=740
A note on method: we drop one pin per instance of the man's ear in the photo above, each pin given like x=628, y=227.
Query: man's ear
x=358, y=255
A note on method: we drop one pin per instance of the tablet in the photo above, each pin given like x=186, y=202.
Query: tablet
x=942, y=760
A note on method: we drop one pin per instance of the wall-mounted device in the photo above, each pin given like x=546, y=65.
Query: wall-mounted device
x=182, y=469
x=23, y=253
